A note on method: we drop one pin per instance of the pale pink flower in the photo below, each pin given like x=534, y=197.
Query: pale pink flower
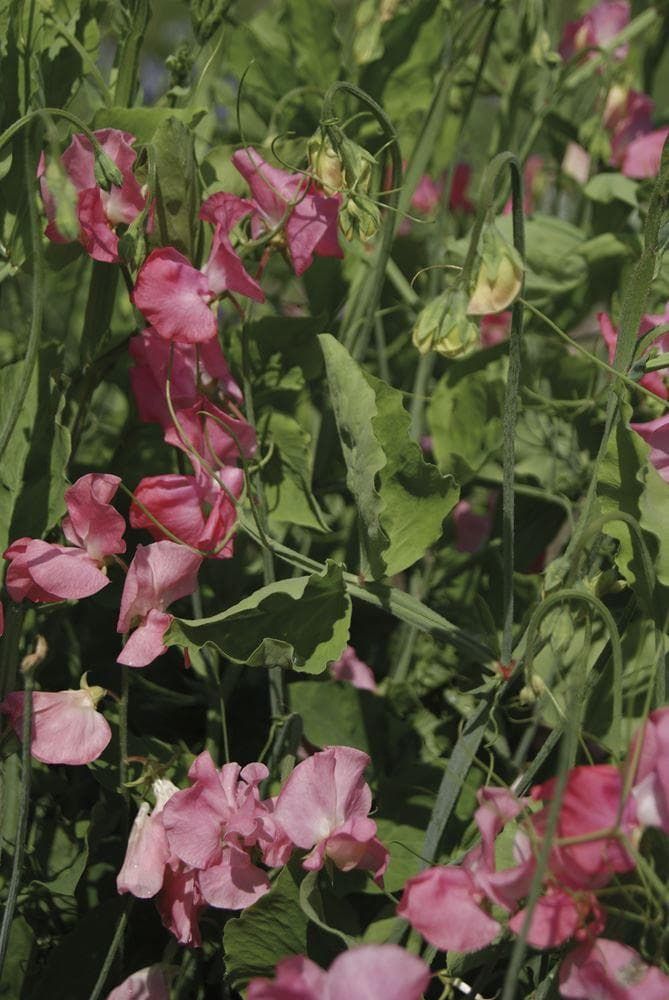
x=576, y=163
x=45, y=572
x=98, y=211
x=213, y=825
x=636, y=148
x=608, y=970
x=349, y=667
x=210, y=435
x=374, y=971
x=597, y=27
x=195, y=509
x=651, y=781
x=324, y=806
x=66, y=727
x=654, y=381
x=288, y=202
x=159, y=574
x=180, y=903
x=656, y=434
x=151, y=983
x=148, y=852
x=643, y=155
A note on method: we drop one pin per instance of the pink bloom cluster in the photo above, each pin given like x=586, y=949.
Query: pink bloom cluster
x=597, y=27
x=596, y=824
x=636, y=147
x=373, y=970
x=211, y=843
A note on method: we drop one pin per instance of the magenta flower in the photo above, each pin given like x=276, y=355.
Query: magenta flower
x=193, y=508
x=472, y=530
x=636, y=148
x=44, y=572
x=495, y=328
x=151, y=983
x=608, y=969
x=597, y=27
x=211, y=436
x=651, y=781
x=180, y=903
x=289, y=203
x=656, y=434
x=324, y=806
x=66, y=726
x=212, y=827
x=374, y=970
x=354, y=670
x=98, y=211
x=643, y=155
x=654, y=381
x=159, y=574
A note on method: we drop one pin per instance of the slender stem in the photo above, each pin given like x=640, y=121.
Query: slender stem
x=113, y=948
x=123, y=735
x=37, y=300
x=128, y=65
x=22, y=819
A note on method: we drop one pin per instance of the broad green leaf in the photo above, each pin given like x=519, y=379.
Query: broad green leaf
x=144, y=122
x=337, y=714
x=606, y=188
x=177, y=195
x=17, y=962
x=266, y=932
x=301, y=623
x=287, y=473
x=402, y=500
x=464, y=417
x=310, y=28
x=67, y=858
x=32, y=477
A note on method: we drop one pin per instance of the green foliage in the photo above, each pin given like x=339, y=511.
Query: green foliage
x=300, y=624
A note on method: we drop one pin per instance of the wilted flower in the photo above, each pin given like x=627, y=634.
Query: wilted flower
x=444, y=326
x=500, y=274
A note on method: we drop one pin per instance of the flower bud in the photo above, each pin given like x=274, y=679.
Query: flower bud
x=443, y=326
x=325, y=164
x=64, y=195
x=348, y=170
x=500, y=274
x=106, y=172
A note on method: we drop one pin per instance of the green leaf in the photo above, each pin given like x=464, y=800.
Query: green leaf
x=32, y=477
x=606, y=188
x=402, y=500
x=302, y=623
x=17, y=963
x=310, y=27
x=464, y=418
x=144, y=122
x=67, y=860
x=287, y=474
x=271, y=929
x=177, y=201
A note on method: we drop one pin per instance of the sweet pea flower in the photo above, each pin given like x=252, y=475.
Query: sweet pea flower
x=211, y=437
x=656, y=434
x=373, y=971
x=611, y=971
x=213, y=825
x=44, y=572
x=472, y=530
x=66, y=727
x=151, y=983
x=148, y=852
x=195, y=509
x=288, y=202
x=354, y=670
x=643, y=156
x=636, y=148
x=159, y=574
x=444, y=904
x=180, y=903
x=654, y=381
x=98, y=211
x=324, y=806
x=495, y=328
x=199, y=371
x=597, y=27
x=651, y=781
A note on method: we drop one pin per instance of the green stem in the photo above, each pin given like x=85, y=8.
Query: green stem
x=113, y=948
x=37, y=301
x=22, y=819
x=126, y=81
x=123, y=736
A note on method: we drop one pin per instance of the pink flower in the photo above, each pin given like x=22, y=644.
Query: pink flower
x=99, y=212
x=148, y=852
x=159, y=574
x=213, y=825
x=559, y=915
x=373, y=970
x=608, y=970
x=286, y=201
x=350, y=668
x=180, y=903
x=654, y=381
x=597, y=27
x=324, y=805
x=66, y=728
x=44, y=572
x=427, y=195
x=495, y=328
x=651, y=781
x=472, y=530
x=444, y=905
x=643, y=155
x=210, y=435
x=576, y=163
x=198, y=371
x=533, y=173
x=151, y=983
x=656, y=434
x=193, y=508
x=636, y=149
